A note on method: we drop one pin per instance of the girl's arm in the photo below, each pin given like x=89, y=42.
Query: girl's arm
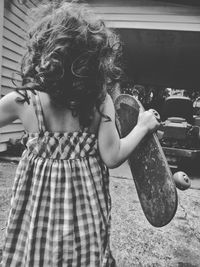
x=113, y=150
x=9, y=108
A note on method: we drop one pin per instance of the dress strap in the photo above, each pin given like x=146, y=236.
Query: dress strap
x=38, y=111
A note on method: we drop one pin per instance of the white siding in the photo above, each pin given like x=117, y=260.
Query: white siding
x=12, y=48
x=148, y=14
x=2, y=144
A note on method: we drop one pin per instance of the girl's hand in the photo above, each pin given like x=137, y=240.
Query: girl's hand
x=149, y=120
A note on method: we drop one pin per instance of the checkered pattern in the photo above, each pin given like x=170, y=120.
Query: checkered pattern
x=60, y=208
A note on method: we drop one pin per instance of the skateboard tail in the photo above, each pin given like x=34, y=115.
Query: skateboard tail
x=159, y=204
x=154, y=184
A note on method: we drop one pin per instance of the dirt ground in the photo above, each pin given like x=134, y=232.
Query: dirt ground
x=134, y=241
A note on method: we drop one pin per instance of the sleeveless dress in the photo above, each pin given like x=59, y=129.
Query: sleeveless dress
x=60, y=206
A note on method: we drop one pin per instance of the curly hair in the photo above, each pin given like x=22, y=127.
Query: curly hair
x=72, y=56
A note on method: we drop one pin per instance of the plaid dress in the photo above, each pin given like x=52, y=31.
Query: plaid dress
x=60, y=207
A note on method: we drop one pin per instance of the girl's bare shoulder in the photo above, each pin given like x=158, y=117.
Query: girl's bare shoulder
x=12, y=101
x=11, y=97
x=11, y=108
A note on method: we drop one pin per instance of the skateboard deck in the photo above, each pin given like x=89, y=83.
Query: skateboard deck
x=152, y=176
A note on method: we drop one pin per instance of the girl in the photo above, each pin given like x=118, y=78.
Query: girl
x=60, y=207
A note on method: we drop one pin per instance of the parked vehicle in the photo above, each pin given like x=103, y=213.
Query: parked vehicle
x=180, y=132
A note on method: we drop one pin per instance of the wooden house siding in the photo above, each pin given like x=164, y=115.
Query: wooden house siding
x=2, y=144
x=13, y=32
x=148, y=14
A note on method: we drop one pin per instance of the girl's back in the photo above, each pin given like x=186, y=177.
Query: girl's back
x=56, y=119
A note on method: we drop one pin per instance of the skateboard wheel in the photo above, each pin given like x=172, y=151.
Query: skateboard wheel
x=182, y=181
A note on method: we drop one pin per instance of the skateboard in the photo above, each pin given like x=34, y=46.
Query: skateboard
x=152, y=176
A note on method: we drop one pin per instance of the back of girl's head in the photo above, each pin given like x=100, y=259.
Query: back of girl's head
x=72, y=56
